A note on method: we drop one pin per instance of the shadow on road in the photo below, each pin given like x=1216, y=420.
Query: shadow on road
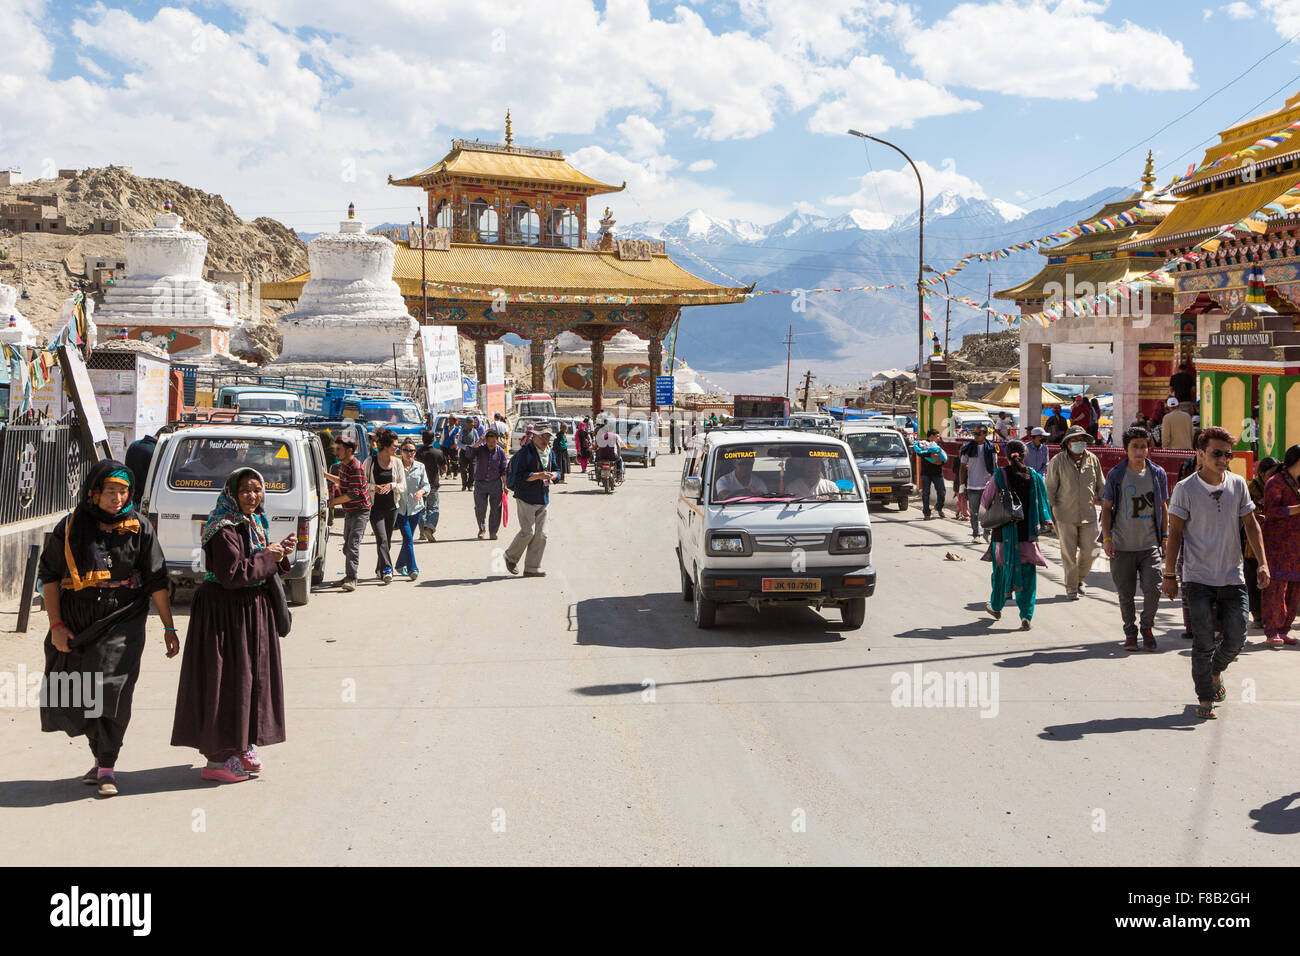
x=663, y=621
x=1187, y=720
x=948, y=632
x=1278, y=816
x=1085, y=652
x=48, y=793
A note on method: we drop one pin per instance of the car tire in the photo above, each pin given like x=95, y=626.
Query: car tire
x=706, y=611
x=688, y=589
x=318, y=573
x=854, y=613
x=297, y=590
x=902, y=502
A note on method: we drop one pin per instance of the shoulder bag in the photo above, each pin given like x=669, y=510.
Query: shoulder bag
x=1005, y=508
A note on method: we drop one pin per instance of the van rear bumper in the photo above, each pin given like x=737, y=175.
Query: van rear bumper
x=716, y=584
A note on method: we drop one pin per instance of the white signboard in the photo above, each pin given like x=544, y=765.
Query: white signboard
x=151, y=398
x=496, y=364
x=440, y=348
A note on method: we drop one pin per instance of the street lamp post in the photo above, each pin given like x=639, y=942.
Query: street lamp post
x=920, y=250
x=947, y=307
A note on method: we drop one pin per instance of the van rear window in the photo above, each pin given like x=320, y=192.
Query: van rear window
x=204, y=464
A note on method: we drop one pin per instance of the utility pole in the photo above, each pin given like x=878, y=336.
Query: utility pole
x=807, y=387
x=789, y=341
x=988, y=308
x=424, y=285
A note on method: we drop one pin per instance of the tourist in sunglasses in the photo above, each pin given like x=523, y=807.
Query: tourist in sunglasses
x=1204, y=512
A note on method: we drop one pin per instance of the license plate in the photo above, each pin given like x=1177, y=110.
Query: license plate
x=881, y=489
x=792, y=584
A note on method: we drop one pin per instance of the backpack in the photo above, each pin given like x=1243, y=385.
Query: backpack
x=512, y=468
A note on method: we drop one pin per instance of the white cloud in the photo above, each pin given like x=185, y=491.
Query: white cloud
x=1056, y=49
x=1239, y=11
x=1285, y=15
x=876, y=98
x=702, y=166
x=893, y=191
x=643, y=137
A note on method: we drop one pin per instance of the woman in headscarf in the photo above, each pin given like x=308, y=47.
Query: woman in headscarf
x=1014, y=550
x=582, y=442
x=231, y=696
x=100, y=568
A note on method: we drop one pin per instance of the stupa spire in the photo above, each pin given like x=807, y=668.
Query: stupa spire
x=510, y=139
x=1148, y=174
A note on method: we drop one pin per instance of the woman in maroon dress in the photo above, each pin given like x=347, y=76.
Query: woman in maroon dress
x=231, y=696
x=1281, y=530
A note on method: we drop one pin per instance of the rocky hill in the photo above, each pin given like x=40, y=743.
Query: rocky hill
x=52, y=264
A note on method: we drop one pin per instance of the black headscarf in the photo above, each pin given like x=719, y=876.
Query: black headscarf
x=88, y=560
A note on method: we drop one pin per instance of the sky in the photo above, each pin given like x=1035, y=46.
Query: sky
x=294, y=108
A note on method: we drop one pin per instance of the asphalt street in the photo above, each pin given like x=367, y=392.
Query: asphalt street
x=473, y=717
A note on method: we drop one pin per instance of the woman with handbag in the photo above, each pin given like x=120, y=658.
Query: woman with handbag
x=1014, y=507
x=231, y=696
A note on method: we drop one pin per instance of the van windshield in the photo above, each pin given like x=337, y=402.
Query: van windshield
x=204, y=464
x=784, y=472
x=393, y=415
x=877, y=445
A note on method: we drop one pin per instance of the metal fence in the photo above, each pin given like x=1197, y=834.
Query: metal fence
x=42, y=466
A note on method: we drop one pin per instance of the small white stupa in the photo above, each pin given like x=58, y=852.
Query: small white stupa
x=350, y=308
x=15, y=330
x=163, y=299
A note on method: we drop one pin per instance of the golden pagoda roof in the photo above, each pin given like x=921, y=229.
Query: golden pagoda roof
x=1095, y=271
x=477, y=268
x=472, y=159
x=1242, y=135
x=1198, y=216
x=1105, y=241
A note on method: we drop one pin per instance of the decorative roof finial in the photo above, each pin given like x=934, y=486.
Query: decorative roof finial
x=510, y=139
x=352, y=211
x=1148, y=175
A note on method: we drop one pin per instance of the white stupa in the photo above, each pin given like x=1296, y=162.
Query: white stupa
x=350, y=309
x=163, y=299
x=15, y=330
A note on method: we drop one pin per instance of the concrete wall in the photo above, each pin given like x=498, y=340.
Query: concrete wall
x=14, y=540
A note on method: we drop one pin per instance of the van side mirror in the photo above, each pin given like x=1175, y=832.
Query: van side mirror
x=692, y=488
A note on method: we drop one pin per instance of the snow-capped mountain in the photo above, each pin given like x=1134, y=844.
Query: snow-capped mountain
x=857, y=248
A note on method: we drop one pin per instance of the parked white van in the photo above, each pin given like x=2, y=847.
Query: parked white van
x=190, y=467
x=773, y=516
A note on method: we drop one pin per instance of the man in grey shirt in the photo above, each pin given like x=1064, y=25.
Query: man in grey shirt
x=1133, y=526
x=978, y=462
x=1204, y=513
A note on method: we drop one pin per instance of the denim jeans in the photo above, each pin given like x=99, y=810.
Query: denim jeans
x=407, y=525
x=940, y=489
x=1209, y=657
x=430, y=517
x=354, y=527
x=973, y=501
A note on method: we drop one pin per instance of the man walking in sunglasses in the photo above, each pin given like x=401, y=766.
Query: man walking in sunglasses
x=1203, y=514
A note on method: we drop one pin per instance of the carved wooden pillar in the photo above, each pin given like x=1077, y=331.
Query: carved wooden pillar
x=656, y=368
x=597, y=376
x=537, y=356
x=480, y=369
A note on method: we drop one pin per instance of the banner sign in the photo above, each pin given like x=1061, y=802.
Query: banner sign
x=664, y=390
x=440, y=349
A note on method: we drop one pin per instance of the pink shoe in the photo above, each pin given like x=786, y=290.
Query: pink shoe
x=230, y=772
x=1274, y=640
x=249, y=760
x=1288, y=639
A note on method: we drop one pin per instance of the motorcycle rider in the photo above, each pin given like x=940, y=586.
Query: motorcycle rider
x=609, y=445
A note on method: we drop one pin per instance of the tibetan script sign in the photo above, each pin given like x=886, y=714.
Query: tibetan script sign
x=432, y=237
x=1253, y=324
x=1238, y=339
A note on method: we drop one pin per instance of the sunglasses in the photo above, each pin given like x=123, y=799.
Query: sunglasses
x=1219, y=453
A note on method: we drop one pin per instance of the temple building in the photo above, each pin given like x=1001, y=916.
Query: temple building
x=508, y=250
x=1139, y=328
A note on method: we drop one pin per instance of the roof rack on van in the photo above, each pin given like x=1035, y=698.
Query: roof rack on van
x=232, y=416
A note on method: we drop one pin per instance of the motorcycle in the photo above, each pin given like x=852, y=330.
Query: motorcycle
x=607, y=475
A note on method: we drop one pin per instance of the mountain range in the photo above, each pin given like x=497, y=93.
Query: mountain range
x=845, y=336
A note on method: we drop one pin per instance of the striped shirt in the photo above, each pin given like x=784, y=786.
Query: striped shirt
x=354, y=485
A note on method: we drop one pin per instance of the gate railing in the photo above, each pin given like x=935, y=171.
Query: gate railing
x=42, y=466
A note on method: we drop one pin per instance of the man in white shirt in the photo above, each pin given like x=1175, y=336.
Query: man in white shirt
x=740, y=482
x=803, y=478
x=608, y=446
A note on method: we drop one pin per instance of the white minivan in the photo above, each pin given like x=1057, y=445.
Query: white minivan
x=190, y=467
x=773, y=517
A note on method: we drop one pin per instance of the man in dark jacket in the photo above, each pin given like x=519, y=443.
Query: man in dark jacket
x=529, y=475
x=435, y=463
x=932, y=457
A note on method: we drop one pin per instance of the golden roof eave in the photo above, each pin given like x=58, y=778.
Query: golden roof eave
x=1095, y=271
x=1196, y=217
x=508, y=164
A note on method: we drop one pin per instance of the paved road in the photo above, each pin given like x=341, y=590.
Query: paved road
x=478, y=718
